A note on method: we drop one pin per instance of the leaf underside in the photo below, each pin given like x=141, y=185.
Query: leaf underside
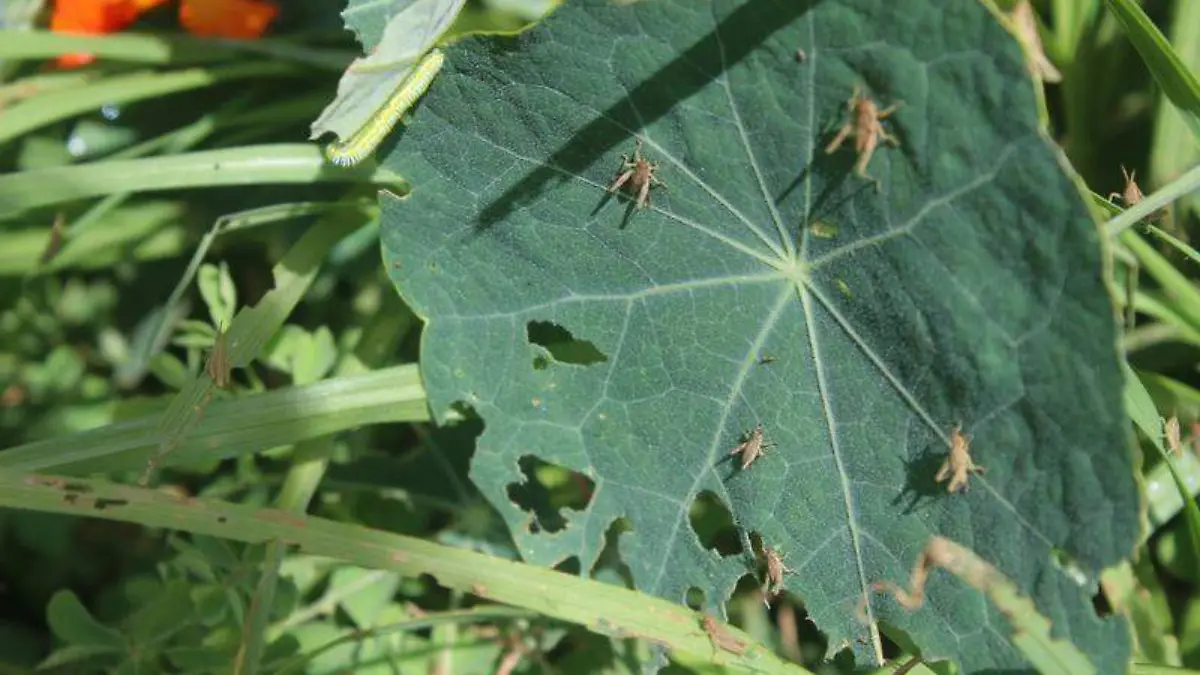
x=969, y=290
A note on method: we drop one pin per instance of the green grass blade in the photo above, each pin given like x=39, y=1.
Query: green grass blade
x=1172, y=151
x=309, y=461
x=39, y=111
x=600, y=607
x=147, y=49
x=1182, y=295
x=162, y=49
x=254, y=630
x=1172, y=75
x=44, y=83
x=131, y=370
x=1141, y=409
x=146, y=230
x=480, y=614
x=252, y=328
x=295, y=163
x=1191, y=511
x=1174, y=243
x=1168, y=324
x=109, y=228
x=234, y=427
x=1032, y=632
x=1071, y=21
x=245, y=338
x=1155, y=669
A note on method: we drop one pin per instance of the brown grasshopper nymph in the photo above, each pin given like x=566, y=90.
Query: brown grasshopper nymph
x=776, y=569
x=638, y=172
x=958, y=465
x=866, y=128
x=752, y=447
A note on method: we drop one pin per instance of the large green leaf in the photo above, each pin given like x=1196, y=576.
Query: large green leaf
x=970, y=289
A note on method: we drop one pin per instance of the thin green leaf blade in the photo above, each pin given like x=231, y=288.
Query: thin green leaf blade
x=1050, y=654
x=601, y=607
x=1173, y=149
x=235, y=427
x=246, y=165
x=1178, y=82
x=41, y=110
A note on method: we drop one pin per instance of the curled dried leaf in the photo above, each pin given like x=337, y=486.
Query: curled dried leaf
x=1025, y=22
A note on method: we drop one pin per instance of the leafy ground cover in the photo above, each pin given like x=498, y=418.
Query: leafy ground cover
x=741, y=335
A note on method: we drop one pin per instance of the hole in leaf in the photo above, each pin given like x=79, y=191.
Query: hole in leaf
x=694, y=598
x=561, y=346
x=1174, y=554
x=895, y=641
x=609, y=567
x=756, y=541
x=569, y=566
x=1101, y=604
x=1066, y=562
x=546, y=490
x=799, y=638
x=713, y=524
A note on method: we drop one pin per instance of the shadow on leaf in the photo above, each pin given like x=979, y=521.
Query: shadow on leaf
x=737, y=36
x=546, y=490
x=920, y=482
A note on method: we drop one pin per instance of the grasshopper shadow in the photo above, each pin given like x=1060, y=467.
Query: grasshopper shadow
x=920, y=485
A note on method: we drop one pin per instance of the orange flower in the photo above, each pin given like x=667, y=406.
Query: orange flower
x=90, y=17
x=239, y=19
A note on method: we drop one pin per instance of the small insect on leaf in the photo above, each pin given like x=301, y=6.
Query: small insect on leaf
x=958, y=466
x=866, y=128
x=823, y=230
x=218, y=367
x=776, y=569
x=639, y=173
x=721, y=638
x=1173, y=437
x=801, y=55
x=766, y=359
x=752, y=447
x=1131, y=194
x=55, y=243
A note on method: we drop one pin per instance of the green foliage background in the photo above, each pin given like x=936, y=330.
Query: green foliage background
x=311, y=519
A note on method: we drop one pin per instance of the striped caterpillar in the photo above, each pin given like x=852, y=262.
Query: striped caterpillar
x=363, y=142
